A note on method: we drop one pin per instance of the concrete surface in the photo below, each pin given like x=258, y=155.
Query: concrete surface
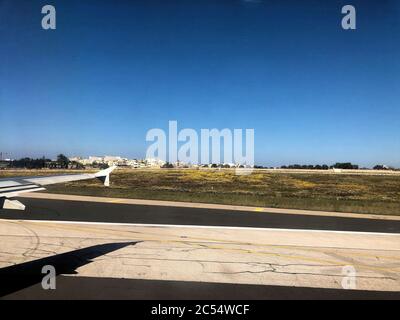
x=220, y=255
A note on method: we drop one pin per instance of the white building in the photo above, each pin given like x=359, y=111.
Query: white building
x=154, y=163
x=119, y=161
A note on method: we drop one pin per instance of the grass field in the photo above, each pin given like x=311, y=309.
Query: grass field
x=316, y=191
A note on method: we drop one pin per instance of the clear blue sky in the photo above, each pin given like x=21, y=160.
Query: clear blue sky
x=112, y=70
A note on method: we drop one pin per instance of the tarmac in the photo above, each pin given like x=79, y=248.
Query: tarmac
x=111, y=251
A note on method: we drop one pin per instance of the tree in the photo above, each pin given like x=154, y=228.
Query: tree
x=167, y=165
x=29, y=163
x=103, y=166
x=345, y=165
x=77, y=165
x=62, y=161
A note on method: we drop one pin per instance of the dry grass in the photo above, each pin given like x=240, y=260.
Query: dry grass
x=377, y=194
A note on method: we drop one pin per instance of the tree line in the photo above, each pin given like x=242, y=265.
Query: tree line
x=337, y=165
x=62, y=162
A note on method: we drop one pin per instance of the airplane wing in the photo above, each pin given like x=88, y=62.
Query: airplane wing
x=12, y=187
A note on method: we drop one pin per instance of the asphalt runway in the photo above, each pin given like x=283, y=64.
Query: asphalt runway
x=62, y=210
x=126, y=289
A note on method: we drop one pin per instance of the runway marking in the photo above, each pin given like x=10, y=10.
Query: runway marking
x=209, y=227
x=115, y=201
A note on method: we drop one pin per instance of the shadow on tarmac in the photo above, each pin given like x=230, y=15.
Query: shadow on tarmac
x=88, y=288
x=20, y=276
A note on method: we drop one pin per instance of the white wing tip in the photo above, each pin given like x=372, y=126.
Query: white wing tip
x=104, y=175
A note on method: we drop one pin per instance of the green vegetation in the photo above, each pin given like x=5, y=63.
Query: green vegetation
x=62, y=162
x=379, y=194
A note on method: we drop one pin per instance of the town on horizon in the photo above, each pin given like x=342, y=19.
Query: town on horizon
x=79, y=162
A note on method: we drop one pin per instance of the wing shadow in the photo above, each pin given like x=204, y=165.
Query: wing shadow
x=20, y=276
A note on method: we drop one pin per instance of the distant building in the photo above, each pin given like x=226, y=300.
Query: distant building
x=154, y=163
x=75, y=159
x=118, y=161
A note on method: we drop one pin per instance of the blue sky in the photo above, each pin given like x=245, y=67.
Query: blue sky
x=112, y=70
